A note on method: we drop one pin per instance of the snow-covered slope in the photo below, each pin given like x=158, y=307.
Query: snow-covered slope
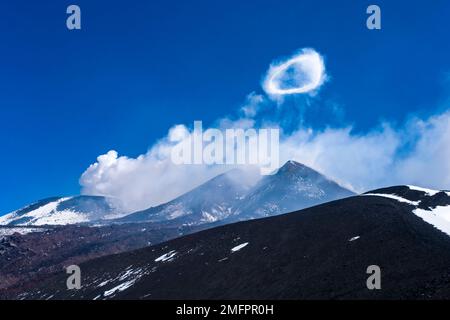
x=432, y=206
x=62, y=211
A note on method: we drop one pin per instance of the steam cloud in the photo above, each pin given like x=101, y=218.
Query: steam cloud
x=416, y=152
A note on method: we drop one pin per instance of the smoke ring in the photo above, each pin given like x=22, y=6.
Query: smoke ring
x=310, y=74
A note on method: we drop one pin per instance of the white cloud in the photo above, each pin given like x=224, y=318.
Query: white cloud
x=252, y=105
x=417, y=153
x=145, y=181
x=302, y=73
x=428, y=164
x=153, y=178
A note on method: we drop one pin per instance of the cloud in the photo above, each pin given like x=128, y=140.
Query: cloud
x=252, y=105
x=145, y=181
x=428, y=163
x=302, y=73
x=416, y=152
x=153, y=178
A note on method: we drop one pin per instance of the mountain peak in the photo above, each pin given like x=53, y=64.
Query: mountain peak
x=293, y=187
x=292, y=164
x=294, y=167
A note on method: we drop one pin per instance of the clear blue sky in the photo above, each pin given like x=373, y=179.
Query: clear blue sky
x=138, y=67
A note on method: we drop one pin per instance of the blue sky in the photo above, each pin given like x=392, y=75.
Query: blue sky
x=138, y=67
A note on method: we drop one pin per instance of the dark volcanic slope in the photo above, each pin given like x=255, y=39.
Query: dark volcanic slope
x=27, y=259
x=312, y=255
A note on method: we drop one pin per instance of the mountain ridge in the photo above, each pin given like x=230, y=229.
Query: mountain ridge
x=231, y=196
x=64, y=210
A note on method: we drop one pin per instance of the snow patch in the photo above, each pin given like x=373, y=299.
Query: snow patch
x=10, y=231
x=439, y=217
x=429, y=192
x=166, y=257
x=207, y=217
x=120, y=287
x=392, y=196
x=239, y=247
x=104, y=283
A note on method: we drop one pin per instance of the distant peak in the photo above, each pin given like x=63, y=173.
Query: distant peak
x=293, y=165
x=294, y=168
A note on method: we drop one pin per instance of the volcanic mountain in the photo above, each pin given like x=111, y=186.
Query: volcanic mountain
x=234, y=195
x=322, y=252
x=231, y=196
x=294, y=187
x=210, y=202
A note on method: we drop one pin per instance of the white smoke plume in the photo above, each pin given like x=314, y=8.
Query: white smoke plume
x=416, y=152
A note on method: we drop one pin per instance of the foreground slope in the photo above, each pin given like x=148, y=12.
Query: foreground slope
x=27, y=259
x=321, y=253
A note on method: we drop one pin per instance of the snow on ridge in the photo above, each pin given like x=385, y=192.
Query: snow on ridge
x=61, y=218
x=40, y=213
x=429, y=192
x=7, y=218
x=392, y=196
x=45, y=210
x=47, y=214
x=439, y=217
